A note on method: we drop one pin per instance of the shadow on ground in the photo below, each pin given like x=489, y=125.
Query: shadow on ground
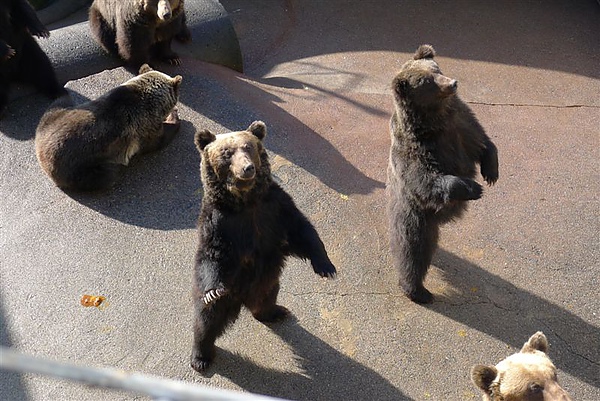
x=468, y=30
x=234, y=101
x=514, y=314
x=320, y=378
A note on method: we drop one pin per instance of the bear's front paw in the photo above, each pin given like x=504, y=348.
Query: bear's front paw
x=489, y=174
x=173, y=117
x=475, y=190
x=463, y=189
x=325, y=269
x=9, y=53
x=39, y=30
x=174, y=60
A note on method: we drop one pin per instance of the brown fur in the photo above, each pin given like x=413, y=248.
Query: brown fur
x=528, y=375
x=247, y=228
x=436, y=144
x=21, y=58
x=139, y=30
x=244, y=149
x=82, y=147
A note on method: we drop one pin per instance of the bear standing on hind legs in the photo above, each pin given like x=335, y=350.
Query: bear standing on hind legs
x=247, y=228
x=436, y=143
x=138, y=30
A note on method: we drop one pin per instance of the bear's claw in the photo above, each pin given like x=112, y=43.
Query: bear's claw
x=212, y=295
x=325, y=269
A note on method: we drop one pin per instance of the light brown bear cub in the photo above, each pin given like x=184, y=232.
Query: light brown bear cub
x=528, y=375
x=83, y=147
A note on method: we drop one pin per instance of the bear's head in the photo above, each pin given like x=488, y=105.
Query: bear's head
x=234, y=163
x=528, y=375
x=420, y=82
x=156, y=88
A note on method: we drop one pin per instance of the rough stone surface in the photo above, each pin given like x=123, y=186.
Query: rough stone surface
x=524, y=258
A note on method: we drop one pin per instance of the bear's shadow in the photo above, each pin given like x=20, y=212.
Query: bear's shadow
x=512, y=314
x=159, y=190
x=326, y=374
x=162, y=190
x=236, y=103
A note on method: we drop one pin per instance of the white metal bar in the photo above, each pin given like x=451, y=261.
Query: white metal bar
x=153, y=386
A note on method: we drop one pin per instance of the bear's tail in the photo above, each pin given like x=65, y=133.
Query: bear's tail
x=97, y=174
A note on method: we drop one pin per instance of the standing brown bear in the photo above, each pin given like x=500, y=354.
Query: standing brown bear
x=436, y=142
x=139, y=30
x=248, y=226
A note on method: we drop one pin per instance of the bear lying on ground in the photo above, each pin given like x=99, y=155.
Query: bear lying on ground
x=436, y=142
x=528, y=375
x=82, y=147
x=247, y=227
x=139, y=30
x=21, y=58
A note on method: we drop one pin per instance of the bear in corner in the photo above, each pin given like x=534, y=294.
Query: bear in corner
x=248, y=226
x=139, y=30
x=436, y=144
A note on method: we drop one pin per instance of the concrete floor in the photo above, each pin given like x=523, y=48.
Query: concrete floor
x=525, y=257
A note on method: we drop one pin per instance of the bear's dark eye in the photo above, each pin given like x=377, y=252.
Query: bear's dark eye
x=535, y=388
x=226, y=153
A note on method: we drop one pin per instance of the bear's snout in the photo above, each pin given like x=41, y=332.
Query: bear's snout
x=242, y=166
x=248, y=171
x=447, y=85
x=164, y=10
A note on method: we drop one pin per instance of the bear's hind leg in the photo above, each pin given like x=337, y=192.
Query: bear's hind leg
x=413, y=241
x=4, y=85
x=265, y=308
x=103, y=33
x=36, y=68
x=209, y=323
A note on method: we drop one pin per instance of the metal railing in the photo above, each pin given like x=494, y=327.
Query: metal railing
x=158, y=388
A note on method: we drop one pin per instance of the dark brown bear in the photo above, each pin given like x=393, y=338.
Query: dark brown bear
x=436, y=143
x=247, y=228
x=83, y=147
x=139, y=30
x=21, y=58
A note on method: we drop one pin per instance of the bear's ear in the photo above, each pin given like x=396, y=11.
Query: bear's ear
x=483, y=376
x=258, y=129
x=424, y=51
x=400, y=86
x=145, y=68
x=203, y=138
x=537, y=342
x=177, y=81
